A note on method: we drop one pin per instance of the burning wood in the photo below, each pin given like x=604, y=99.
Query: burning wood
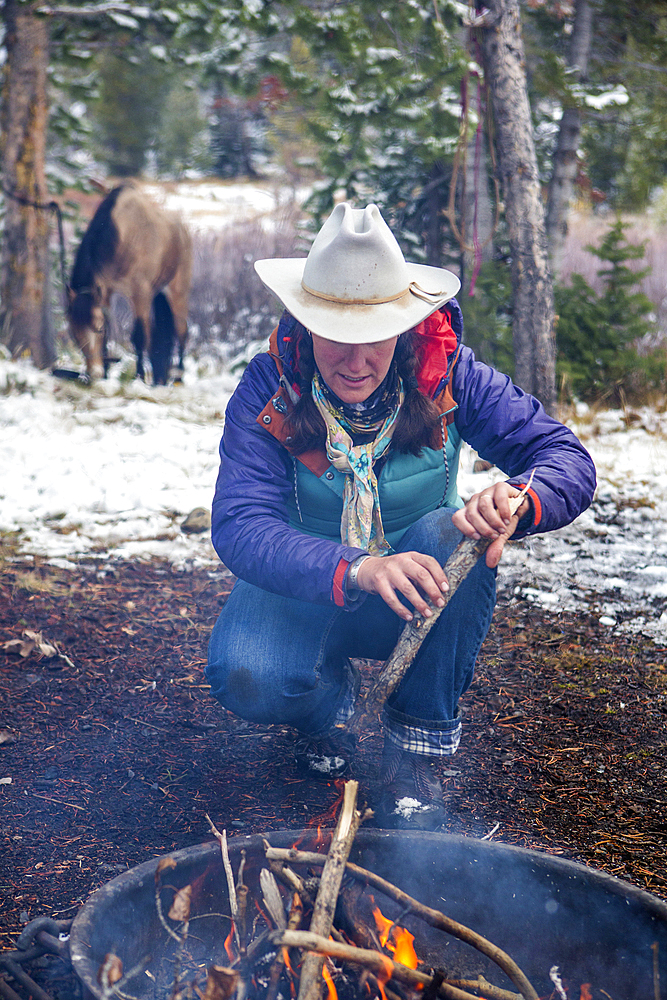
x=316, y=930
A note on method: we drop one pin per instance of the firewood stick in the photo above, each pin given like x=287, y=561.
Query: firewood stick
x=293, y=924
x=310, y=986
x=484, y=988
x=457, y=567
x=430, y=916
x=290, y=879
x=227, y=865
x=295, y=884
x=381, y=964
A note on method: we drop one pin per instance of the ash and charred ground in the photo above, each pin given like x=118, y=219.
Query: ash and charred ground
x=118, y=752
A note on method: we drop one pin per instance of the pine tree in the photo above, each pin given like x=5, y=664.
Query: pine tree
x=598, y=335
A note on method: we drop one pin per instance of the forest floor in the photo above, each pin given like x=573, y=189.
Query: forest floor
x=116, y=751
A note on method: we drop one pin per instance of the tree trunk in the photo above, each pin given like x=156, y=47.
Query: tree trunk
x=433, y=234
x=24, y=301
x=565, y=164
x=533, y=321
x=477, y=207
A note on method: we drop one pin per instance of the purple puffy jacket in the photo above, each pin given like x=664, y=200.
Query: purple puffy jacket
x=505, y=426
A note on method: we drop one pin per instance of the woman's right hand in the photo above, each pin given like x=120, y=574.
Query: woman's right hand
x=414, y=575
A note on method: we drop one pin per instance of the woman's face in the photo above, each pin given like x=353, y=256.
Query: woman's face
x=353, y=371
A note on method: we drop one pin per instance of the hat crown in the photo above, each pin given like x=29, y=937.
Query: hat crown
x=355, y=258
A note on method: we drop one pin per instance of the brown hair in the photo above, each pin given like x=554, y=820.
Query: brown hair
x=417, y=417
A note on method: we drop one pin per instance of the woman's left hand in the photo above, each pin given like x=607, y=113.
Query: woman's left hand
x=487, y=515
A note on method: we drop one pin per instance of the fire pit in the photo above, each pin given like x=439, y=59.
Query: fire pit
x=543, y=910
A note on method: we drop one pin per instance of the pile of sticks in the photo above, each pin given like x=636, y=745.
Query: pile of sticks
x=315, y=934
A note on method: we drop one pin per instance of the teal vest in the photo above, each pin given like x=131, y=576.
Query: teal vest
x=409, y=486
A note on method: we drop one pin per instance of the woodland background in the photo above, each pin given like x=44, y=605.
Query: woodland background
x=410, y=106
x=115, y=750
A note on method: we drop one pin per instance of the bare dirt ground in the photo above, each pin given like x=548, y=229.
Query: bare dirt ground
x=116, y=751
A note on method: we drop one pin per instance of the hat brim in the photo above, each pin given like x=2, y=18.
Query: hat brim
x=355, y=324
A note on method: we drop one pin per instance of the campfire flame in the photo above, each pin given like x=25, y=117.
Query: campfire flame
x=384, y=977
x=396, y=940
x=229, y=945
x=326, y=976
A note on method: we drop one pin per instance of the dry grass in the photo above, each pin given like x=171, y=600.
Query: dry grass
x=228, y=302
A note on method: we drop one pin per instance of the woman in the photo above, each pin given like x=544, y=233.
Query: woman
x=336, y=504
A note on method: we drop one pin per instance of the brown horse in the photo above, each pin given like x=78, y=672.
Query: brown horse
x=145, y=254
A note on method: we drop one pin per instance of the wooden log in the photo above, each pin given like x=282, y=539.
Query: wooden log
x=381, y=964
x=429, y=915
x=457, y=567
x=311, y=983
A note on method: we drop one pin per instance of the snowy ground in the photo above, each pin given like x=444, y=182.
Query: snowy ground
x=112, y=471
x=214, y=205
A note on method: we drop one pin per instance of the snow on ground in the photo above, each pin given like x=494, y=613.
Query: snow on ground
x=214, y=205
x=110, y=472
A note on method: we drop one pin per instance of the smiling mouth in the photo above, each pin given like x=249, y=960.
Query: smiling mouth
x=352, y=378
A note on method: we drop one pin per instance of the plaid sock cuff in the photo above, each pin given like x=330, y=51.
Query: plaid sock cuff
x=431, y=739
x=345, y=710
x=346, y=707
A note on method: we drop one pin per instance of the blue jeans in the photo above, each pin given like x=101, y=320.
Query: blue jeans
x=276, y=660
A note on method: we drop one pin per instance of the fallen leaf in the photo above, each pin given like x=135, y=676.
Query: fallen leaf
x=18, y=646
x=180, y=907
x=162, y=865
x=34, y=642
x=220, y=983
x=110, y=971
x=43, y=646
x=8, y=735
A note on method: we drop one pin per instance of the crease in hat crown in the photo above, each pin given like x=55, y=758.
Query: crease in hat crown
x=355, y=259
x=355, y=286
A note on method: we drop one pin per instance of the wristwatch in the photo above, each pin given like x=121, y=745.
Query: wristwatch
x=353, y=572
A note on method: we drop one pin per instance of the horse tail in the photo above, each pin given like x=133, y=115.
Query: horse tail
x=163, y=336
x=98, y=246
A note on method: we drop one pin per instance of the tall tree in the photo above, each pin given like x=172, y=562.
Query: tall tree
x=565, y=159
x=533, y=317
x=34, y=32
x=24, y=300
x=381, y=98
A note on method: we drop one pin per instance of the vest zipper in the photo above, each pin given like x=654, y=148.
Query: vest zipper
x=444, y=456
x=296, y=491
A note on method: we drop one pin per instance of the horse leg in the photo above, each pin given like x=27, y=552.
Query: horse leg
x=106, y=361
x=182, y=338
x=163, y=332
x=138, y=342
x=179, y=293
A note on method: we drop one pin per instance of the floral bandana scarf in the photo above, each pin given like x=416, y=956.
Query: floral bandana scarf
x=361, y=523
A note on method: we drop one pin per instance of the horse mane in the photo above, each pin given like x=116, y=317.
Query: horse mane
x=80, y=309
x=98, y=245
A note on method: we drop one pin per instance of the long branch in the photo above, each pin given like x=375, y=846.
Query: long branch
x=460, y=563
x=349, y=819
x=381, y=964
x=227, y=865
x=457, y=567
x=430, y=916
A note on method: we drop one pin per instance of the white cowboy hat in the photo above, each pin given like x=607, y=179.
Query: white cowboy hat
x=355, y=286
